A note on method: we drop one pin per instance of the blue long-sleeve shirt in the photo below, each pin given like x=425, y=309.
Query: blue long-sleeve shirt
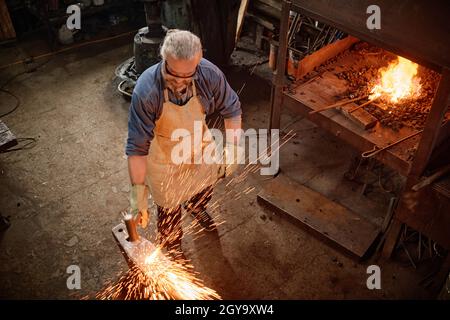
x=148, y=96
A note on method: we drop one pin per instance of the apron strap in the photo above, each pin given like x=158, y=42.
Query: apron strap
x=194, y=89
x=166, y=95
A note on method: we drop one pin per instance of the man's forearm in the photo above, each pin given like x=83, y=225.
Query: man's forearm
x=137, y=169
x=233, y=129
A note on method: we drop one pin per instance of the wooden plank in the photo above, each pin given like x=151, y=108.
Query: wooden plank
x=331, y=220
x=308, y=63
x=360, y=116
x=241, y=16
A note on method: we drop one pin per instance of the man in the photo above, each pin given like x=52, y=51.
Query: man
x=175, y=94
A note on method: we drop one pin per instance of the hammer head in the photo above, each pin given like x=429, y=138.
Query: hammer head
x=141, y=252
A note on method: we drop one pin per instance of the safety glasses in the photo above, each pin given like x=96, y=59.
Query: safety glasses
x=167, y=69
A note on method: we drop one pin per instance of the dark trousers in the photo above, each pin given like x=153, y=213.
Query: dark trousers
x=169, y=219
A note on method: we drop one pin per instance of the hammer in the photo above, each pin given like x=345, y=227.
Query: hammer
x=138, y=251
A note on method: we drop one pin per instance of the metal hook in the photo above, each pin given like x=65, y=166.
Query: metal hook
x=370, y=153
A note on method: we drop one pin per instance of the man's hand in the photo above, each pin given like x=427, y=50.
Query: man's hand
x=139, y=204
x=233, y=155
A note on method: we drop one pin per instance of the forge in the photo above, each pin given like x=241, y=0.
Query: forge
x=385, y=93
x=352, y=74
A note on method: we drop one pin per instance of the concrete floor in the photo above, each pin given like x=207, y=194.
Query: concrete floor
x=64, y=195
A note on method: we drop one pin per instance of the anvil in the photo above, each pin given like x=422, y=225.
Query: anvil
x=138, y=251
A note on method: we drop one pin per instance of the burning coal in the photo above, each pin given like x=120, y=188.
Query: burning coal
x=397, y=81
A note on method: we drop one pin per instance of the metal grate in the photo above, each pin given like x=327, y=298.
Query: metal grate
x=7, y=138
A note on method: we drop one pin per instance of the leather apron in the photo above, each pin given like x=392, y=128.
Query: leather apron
x=172, y=184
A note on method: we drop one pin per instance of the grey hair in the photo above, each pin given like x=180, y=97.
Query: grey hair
x=180, y=44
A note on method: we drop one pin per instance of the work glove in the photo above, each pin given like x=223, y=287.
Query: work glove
x=139, y=204
x=233, y=155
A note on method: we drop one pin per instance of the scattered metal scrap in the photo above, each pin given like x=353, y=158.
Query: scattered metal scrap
x=307, y=35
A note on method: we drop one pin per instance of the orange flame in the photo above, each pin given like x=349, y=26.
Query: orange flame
x=398, y=81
